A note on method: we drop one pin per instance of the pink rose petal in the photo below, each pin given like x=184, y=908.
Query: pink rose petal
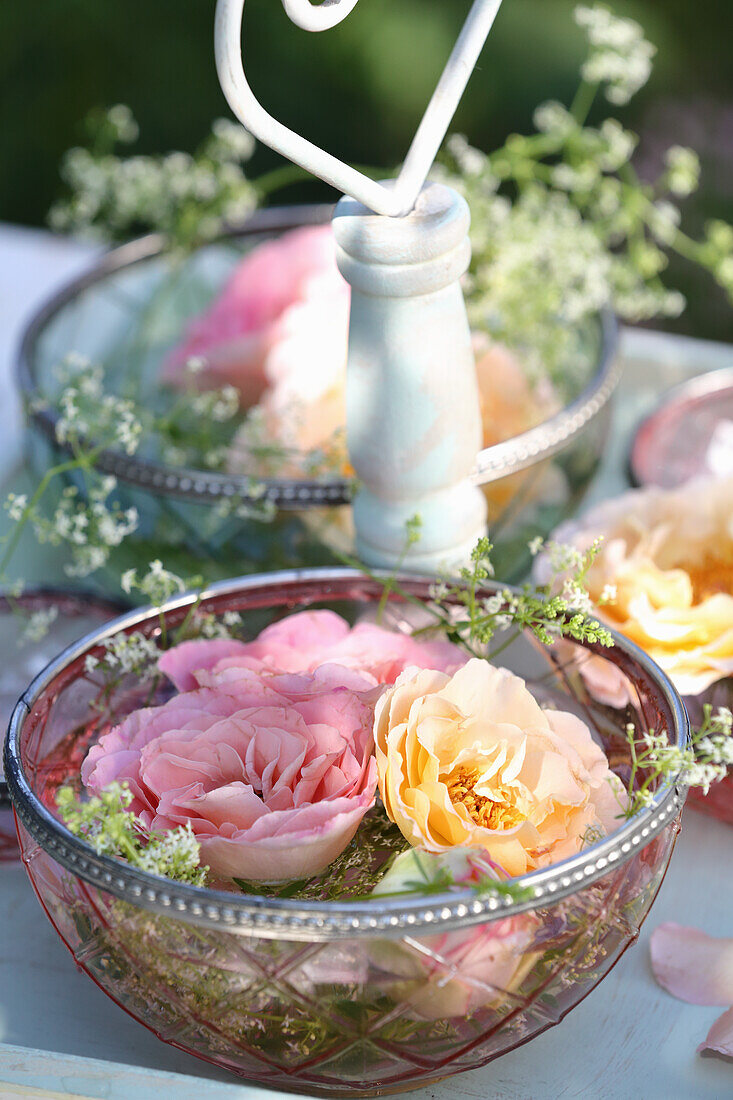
x=234, y=335
x=691, y=965
x=720, y=1036
x=180, y=662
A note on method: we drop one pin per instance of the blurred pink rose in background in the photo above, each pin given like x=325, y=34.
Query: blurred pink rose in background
x=274, y=771
x=277, y=333
x=306, y=640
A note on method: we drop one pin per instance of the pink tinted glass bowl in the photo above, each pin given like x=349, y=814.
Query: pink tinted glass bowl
x=340, y=998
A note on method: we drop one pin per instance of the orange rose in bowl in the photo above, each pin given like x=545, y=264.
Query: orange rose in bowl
x=472, y=760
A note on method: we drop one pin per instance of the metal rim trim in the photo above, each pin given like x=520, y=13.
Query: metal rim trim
x=321, y=920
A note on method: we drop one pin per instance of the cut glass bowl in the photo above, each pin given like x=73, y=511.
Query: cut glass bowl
x=337, y=997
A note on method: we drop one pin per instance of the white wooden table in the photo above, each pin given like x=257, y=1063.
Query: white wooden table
x=61, y=1036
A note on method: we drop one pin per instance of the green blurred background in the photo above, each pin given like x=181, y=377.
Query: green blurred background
x=358, y=90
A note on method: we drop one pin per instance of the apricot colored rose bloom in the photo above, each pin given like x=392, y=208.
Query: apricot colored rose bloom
x=473, y=760
x=668, y=555
x=274, y=771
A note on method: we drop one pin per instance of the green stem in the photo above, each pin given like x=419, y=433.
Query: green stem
x=279, y=178
x=583, y=101
x=43, y=484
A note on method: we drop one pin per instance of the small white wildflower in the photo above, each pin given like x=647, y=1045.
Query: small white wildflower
x=16, y=506
x=232, y=139
x=38, y=623
x=683, y=170
x=536, y=545
x=132, y=653
x=90, y=663
x=128, y=580
x=472, y=162
x=620, y=57
x=493, y=604
x=553, y=117
x=122, y=119
x=664, y=220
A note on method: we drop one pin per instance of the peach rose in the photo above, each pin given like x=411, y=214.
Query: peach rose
x=306, y=640
x=667, y=559
x=454, y=973
x=472, y=760
x=510, y=405
x=273, y=771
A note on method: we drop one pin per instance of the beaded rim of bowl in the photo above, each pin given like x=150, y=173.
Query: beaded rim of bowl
x=492, y=463
x=321, y=920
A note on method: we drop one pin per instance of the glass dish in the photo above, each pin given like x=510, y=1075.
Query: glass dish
x=133, y=308
x=339, y=998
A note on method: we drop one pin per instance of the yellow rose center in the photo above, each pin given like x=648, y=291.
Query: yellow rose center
x=484, y=811
x=711, y=576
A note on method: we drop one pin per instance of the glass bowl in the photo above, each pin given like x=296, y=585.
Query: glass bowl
x=132, y=308
x=338, y=998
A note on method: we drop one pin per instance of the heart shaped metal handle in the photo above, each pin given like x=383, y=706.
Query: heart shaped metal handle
x=399, y=197
x=320, y=17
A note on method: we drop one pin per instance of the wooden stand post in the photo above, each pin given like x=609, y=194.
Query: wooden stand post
x=413, y=419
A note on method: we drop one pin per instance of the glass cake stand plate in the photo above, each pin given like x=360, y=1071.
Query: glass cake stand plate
x=689, y=433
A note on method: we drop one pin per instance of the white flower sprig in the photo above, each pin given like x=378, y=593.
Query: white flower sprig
x=581, y=230
x=705, y=761
x=109, y=826
x=620, y=58
x=188, y=198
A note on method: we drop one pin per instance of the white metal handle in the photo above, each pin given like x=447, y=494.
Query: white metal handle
x=398, y=199
x=320, y=18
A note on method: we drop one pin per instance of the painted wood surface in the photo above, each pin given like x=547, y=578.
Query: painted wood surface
x=413, y=424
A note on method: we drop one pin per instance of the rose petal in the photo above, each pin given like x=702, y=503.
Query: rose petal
x=311, y=843
x=180, y=662
x=691, y=965
x=720, y=1036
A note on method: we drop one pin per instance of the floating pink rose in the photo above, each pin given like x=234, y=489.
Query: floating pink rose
x=308, y=639
x=274, y=771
